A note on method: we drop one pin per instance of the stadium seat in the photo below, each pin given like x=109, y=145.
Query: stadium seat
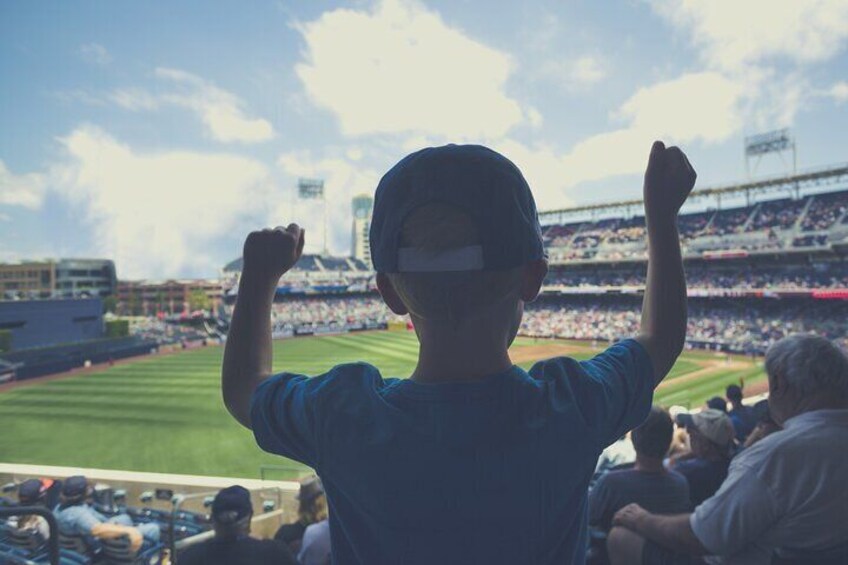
x=118, y=552
x=73, y=543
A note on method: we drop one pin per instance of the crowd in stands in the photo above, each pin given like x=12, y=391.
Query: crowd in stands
x=165, y=333
x=91, y=531
x=746, y=277
x=765, y=482
x=330, y=310
x=770, y=221
x=739, y=325
x=826, y=210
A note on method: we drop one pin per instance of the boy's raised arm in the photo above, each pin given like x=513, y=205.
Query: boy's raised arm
x=268, y=254
x=669, y=179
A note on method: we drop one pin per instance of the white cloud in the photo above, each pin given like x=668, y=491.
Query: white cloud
x=696, y=107
x=570, y=75
x=343, y=179
x=95, y=54
x=157, y=214
x=732, y=34
x=25, y=190
x=693, y=106
x=134, y=99
x=221, y=111
x=400, y=68
x=839, y=91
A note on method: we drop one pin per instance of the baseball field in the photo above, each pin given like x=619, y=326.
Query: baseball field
x=164, y=413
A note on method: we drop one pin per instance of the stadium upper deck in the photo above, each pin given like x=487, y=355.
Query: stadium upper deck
x=811, y=223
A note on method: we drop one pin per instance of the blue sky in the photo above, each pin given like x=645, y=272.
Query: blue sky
x=159, y=133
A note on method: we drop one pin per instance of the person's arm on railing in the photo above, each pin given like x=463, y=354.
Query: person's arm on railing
x=268, y=254
x=669, y=179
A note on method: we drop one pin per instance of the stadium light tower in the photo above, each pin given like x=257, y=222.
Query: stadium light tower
x=360, y=244
x=778, y=141
x=313, y=189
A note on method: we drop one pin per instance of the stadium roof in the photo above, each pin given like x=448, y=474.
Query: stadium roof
x=798, y=182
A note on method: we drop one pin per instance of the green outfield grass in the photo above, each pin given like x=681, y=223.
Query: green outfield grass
x=165, y=414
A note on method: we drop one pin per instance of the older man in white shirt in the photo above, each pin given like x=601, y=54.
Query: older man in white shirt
x=785, y=493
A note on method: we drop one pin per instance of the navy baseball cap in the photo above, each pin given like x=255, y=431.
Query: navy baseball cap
x=231, y=504
x=474, y=179
x=33, y=489
x=75, y=486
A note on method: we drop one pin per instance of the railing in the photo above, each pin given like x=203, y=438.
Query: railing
x=53, y=540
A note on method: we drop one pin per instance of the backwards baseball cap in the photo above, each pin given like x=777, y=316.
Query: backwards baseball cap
x=231, y=505
x=713, y=424
x=480, y=182
x=75, y=486
x=33, y=489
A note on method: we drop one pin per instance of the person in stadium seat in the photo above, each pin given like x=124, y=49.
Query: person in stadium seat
x=316, y=548
x=717, y=403
x=472, y=459
x=312, y=508
x=742, y=417
x=765, y=424
x=232, y=512
x=77, y=518
x=711, y=444
x=33, y=492
x=786, y=493
x=648, y=483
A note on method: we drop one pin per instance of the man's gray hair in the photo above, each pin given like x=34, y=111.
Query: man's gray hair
x=809, y=364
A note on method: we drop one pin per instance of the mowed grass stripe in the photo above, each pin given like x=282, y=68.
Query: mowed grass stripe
x=164, y=413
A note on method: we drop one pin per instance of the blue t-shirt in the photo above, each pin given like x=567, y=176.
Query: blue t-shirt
x=489, y=471
x=704, y=476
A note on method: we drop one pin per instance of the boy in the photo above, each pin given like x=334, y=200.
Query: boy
x=471, y=459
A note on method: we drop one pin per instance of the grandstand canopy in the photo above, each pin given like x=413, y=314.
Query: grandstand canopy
x=802, y=181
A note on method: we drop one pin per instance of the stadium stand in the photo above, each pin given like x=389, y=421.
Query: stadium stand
x=40, y=361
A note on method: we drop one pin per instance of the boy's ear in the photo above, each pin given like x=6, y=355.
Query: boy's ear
x=390, y=295
x=534, y=275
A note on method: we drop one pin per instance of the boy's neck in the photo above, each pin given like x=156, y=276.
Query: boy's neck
x=459, y=356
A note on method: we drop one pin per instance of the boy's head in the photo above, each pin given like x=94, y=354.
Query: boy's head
x=455, y=235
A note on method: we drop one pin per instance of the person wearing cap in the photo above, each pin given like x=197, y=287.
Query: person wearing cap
x=472, y=459
x=312, y=508
x=232, y=513
x=783, y=495
x=717, y=403
x=33, y=492
x=648, y=483
x=711, y=446
x=78, y=518
x=743, y=417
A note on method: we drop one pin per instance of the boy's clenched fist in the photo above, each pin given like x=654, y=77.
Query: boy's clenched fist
x=669, y=179
x=269, y=253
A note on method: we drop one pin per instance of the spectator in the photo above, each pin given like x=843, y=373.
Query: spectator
x=785, y=493
x=471, y=459
x=232, y=512
x=742, y=417
x=33, y=492
x=316, y=544
x=765, y=424
x=717, y=403
x=312, y=508
x=648, y=483
x=77, y=518
x=710, y=441
x=619, y=453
